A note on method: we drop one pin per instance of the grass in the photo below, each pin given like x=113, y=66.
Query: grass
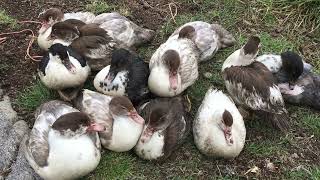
x=98, y=7
x=7, y=20
x=34, y=95
x=114, y=166
x=302, y=172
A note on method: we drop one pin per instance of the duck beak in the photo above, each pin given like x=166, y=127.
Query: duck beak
x=71, y=68
x=173, y=79
x=109, y=78
x=136, y=117
x=228, y=135
x=95, y=127
x=146, y=135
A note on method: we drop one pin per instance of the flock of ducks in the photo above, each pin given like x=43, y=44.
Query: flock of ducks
x=138, y=105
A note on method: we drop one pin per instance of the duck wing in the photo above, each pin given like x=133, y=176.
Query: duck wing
x=96, y=106
x=97, y=50
x=262, y=96
x=37, y=146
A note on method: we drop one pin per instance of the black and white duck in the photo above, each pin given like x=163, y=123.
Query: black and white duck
x=174, y=65
x=122, y=123
x=297, y=83
x=62, y=68
x=218, y=129
x=63, y=143
x=252, y=86
x=167, y=125
x=209, y=38
x=127, y=75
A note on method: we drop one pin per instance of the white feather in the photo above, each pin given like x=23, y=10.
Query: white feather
x=120, y=80
x=43, y=38
x=59, y=77
x=153, y=149
x=208, y=136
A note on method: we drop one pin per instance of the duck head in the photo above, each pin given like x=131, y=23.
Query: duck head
x=292, y=65
x=171, y=61
x=64, y=31
x=187, y=32
x=119, y=62
x=226, y=126
x=60, y=53
x=120, y=106
x=75, y=123
x=250, y=50
x=50, y=17
x=158, y=120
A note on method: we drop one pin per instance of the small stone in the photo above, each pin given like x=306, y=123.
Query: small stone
x=6, y=110
x=254, y=169
x=295, y=155
x=270, y=166
x=207, y=75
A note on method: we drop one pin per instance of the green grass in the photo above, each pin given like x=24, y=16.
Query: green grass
x=307, y=119
x=302, y=172
x=114, y=165
x=98, y=7
x=6, y=20
x=34, y=95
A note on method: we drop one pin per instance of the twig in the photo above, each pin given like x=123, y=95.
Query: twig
x=2, y=40
x=176, y=12
x=29, y=45
x=36, y=22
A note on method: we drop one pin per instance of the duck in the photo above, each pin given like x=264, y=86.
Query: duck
x=89, y=40
x=124, y=31
x=63, y=143
x=63, y=68
x=174, y=65
x=286, y=67
x=54, y=15
x=252, y=86
x=167, y=125
x=123, y=125
x=297, y=83
x=209, y=38
x=126, y=76
x=218, y=128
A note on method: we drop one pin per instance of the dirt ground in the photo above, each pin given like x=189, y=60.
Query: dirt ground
x=20, y=73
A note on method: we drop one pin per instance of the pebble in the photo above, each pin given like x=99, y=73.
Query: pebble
x=207, y=75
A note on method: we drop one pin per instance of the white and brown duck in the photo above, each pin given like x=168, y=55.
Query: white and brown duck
x=297, y=83
x=63, y=68
x=123, y=31
x=123, y=125
x=127, y=75
x=174, y=65
x=209, y=38
x=90, y=41
x=252, y=86
x=63, y=143
x=167, y=125
x=54, y=15
x=218, y=129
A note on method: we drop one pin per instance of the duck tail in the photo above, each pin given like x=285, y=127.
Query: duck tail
x=279, y=121
x=226, y=38
x=145, y=35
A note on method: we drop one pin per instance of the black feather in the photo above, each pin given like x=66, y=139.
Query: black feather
x=43, y=63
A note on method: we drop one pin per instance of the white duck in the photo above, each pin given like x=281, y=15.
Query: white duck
x=123, y=125
x=167, y=125
x=209, y=38
x=218, y=128
x=63, y=68
x=54, y=15
x=174, y=65
x=63, y=143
